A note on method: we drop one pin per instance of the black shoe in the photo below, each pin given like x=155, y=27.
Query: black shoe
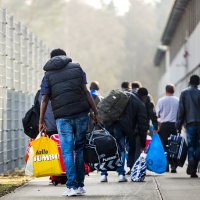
x=190, y=167
x=173, y=171
x=194, y=176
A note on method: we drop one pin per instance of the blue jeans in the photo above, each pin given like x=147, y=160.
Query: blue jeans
x=72, y=133
x=121, y=142
x=193, y=139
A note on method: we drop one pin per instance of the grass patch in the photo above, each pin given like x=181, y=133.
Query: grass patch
x=10, y=183
x=7, y=188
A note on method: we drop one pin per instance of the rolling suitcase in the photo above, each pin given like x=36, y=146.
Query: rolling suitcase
x=55, y=180
x=176, y=150
x=62, y=179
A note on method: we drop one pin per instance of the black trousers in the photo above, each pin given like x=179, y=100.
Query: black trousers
x=166, y=129
x=133, y=151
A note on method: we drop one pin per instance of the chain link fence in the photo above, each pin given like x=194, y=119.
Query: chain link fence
x=22, y=56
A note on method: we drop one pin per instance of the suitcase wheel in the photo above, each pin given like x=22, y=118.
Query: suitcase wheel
x=55, y=183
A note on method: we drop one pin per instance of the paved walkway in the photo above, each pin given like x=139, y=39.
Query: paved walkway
x=167, y=186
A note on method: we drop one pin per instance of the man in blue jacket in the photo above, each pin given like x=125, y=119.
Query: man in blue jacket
x=189, y=114
x=64, y=84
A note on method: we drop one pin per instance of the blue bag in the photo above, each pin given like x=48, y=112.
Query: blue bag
x=156, y=158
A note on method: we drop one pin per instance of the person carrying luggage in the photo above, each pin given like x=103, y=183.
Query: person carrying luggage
x=189, y=114
x=64, y=83
x=167, y=107
x=49, y=119
x=133, y=115
x=146, y=98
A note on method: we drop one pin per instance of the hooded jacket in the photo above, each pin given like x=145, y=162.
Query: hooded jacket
x=135, y=115
x=65, y=80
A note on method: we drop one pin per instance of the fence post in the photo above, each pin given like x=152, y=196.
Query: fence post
x=4, y=71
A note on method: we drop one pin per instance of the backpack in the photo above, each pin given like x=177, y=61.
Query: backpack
x=111, y=107
x=101, y=152
x=31, y=119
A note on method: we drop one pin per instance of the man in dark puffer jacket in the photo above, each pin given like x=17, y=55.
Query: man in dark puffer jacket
x=64, y=84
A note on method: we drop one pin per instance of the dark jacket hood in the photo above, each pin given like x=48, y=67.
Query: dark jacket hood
x=56, y=63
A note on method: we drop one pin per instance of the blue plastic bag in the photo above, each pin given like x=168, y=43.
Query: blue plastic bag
x=156, y=158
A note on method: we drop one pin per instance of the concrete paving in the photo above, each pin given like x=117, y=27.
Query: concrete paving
x=156, y=187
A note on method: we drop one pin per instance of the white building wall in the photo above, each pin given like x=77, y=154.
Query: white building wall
x=180, y=65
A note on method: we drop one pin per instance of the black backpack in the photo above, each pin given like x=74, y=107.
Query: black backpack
x=31, y=120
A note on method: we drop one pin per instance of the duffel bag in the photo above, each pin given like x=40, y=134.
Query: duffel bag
x=101, y=152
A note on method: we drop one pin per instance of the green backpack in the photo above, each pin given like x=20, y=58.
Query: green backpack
x=111, y=107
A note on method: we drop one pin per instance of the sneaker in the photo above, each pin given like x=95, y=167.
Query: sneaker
x=70, y=192
x=190, y=167
x=104, y=178
x=122, y=178
x=80, y=191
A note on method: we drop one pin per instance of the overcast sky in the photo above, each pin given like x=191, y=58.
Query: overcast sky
x=122, y=6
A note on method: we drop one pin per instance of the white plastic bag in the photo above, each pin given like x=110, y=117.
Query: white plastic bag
x=29, y=164
x=138, y=171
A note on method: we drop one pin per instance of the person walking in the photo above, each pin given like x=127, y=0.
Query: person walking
x=135, y=86
x=64, y=83
x=150, y=107
x=189, y=114
x=94, y=91
x=133, y=115
x=49, y=119
x=135, y=145
x=126, y=86
x=167, y=107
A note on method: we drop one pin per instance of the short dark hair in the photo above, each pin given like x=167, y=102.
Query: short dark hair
x=170, y=88
x=57, y=52
x=94, y=85
x=194, y=80
x=126, y=85
x=136, y=84
x=142, y=92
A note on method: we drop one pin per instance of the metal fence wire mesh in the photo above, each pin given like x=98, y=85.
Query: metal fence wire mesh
x=22, y=56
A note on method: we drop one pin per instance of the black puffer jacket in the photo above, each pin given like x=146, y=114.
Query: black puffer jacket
x=135, y=115
x=189, y=107
x=65, y=80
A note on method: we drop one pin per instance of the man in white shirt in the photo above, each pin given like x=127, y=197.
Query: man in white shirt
x=166, y=108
